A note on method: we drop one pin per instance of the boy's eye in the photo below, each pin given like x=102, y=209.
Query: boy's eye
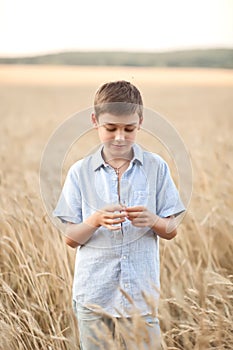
x=110, y=129
x=114, y=129
x=129, y=130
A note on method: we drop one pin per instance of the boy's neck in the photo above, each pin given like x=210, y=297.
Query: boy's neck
x=117, y=161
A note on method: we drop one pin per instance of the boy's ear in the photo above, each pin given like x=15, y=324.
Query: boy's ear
x=94, y=120
x=140, y=122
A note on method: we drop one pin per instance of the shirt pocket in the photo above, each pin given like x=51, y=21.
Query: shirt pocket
x=140, y=198
x=145, y=199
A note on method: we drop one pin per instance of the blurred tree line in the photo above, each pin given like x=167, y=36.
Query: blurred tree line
x=215, y=58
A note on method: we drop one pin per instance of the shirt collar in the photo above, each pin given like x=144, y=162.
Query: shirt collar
x=98, y=161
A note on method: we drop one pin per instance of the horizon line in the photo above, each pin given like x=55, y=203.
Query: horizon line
x=128, y=51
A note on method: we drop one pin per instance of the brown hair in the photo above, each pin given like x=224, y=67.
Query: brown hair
x=118, y=98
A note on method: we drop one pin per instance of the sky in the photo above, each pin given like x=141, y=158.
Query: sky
x=29, y=27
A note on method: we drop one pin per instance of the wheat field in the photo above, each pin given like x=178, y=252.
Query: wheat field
x=195, y=308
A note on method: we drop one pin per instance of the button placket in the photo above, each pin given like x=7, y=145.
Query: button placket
x=125, y=272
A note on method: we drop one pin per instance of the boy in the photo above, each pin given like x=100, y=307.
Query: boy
x=116, y=203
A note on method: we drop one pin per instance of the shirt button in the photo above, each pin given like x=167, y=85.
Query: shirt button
x=126, y=285
x=124, y=257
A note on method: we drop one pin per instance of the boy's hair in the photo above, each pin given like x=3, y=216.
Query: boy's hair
x=118, y=98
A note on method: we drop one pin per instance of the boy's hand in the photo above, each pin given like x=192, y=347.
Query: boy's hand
x=140, y=216
x=107, y=217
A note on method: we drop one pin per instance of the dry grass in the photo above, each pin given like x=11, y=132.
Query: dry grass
x=36, y=266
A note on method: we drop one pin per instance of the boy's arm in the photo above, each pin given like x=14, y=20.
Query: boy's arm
x=165, y=227
x=79, y=234
x=140, y=216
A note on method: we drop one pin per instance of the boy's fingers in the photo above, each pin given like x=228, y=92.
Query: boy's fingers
x=114, y=222
x=112, y=208
x=138, y=208
x=115, y=215
x=135, y=213
x=132, y=216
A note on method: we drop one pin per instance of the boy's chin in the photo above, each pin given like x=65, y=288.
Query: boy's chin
x=118, y=150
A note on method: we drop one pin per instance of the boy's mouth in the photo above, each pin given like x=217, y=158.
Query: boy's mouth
x=118, y=146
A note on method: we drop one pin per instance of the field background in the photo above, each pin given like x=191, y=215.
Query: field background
x=37, y=267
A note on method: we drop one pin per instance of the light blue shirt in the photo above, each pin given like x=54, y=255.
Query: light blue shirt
x=128, y=258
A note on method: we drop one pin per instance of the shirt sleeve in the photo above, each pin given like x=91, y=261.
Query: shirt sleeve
x=168, y=201
x=69, y=206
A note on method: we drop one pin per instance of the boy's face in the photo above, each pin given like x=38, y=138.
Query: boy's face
x=117, y=133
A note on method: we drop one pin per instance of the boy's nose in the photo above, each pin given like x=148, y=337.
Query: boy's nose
x=119, y=135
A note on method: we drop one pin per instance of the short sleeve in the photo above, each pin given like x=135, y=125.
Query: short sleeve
x=168, y=201
x=69, y=206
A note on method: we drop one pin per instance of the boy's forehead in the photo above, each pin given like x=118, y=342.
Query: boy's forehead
x=107, y=118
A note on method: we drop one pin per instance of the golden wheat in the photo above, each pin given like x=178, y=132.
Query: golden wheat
x=195, y=308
